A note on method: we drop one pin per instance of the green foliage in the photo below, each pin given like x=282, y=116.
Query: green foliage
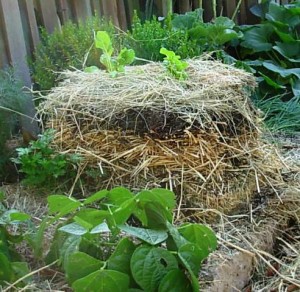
x=113, y=65
x=272, y=49
x=174, y=65
x=11, y=265
x=70, y=47
x=41, y=163
x=147, y=38
x=11, y=99
x=116, y=241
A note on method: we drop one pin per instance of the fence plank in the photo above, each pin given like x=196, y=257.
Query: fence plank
x=17, y=55
x=122, y=15
x=27, y=9
x=49, y=15
x=208, y=11
x=184, y=6
x=230, y=7
x=63, y=10
x=3, y=49
x=82, y=9
x=110, y=10
x=96, y=7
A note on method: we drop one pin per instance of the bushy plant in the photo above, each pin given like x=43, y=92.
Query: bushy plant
x=117, y=241
x=12, y=267
x=11, y=99
x=70, y=47
x=42, y=165
x=147, y=38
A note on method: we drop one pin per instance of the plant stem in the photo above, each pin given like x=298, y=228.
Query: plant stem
x=236, y=10
x=214, y=7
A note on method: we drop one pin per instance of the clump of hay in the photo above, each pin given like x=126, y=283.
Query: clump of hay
x=198, y=137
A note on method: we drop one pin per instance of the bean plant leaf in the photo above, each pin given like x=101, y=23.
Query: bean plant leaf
x=150, y=264
x=101, y=228
x=102, y=281
x=62, y=204
x=92, y=216
x=118, y=195
x=150, y=236
x=120, y=258
x=96, y=197
x=6, y=272
x=193, y=255
x=80, y=265
x=165, y=197
x=70, y=246
x=20, y=270
x=74, y=229
x=18, y=216
x=157, y=216
x=202, y=236
x=176, y=240
x=175, y=281
x=124, y=211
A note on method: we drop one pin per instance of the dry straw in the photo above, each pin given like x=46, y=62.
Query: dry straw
x=199, y=137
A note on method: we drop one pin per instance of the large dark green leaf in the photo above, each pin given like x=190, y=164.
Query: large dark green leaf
x=150, y=264
x=258, y=37
x=296, y=87
x=120, y=258
x=187, y=20
x=150, y=236
x=62, y=204
x=200, y=235
x=118, y=195
x=93, y=217
x=124, y=211
x=175, y=281
x=74, y=229
x=157, y=216
x=70, y=246
x=102, y=281
x=291, y=50
x=80, y=265
x=193, y=255
x=96, y=197
x=282, y=71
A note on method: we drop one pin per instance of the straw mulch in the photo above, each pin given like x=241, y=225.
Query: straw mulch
x=199, y=137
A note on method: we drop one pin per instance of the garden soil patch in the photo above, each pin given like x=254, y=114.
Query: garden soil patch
x=199, y=137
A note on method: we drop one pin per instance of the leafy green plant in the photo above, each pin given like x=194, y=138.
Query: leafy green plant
x=11, y=100
x=274, y=46
x=147, y=38
x=117, y=241
x=41, y=163
x=174, y=65
x=67, y=48
x=11, y=265
x=113, y=65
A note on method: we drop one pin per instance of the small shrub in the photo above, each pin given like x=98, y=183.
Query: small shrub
x=42, y=165
x=70, y=47
x=117, y=241
x=11, y=99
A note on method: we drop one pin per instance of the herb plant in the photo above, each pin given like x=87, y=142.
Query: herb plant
x=113, y=65
x=174, y=65
x=117, y=241
x=12, y=267
x=42, y=165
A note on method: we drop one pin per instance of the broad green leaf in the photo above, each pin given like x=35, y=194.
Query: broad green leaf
x=74, y=229
x=18, y=216
x=193, y=255
x=93, y=216
x=150, y=264
x=96, y=197
x=291, y=50
x=91, y=69
x=125, y=57
x=101, y=228
x=80, y=265
x=165, y=197
x=2, y=196
x=120, y=258
x=6, y=272
x=102, y=281
x=188, y=20
x=70, y=246
x=194, y=280
x=62, y=204
x=224, y=22
x=175, y=281
x=296, y=87
x=103, y=42
x=83, y=223
x=258, y=38
x=282, y=71
x=118, y=195
x=177, y=239
x=202, y=236
x=157, y=216
x=124, y=211
x=284, y=37
x=150, y=236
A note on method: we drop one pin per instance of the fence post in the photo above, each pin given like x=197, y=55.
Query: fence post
x=49, y=14
x=110, y=10
x=10, y=11
x=82, y=9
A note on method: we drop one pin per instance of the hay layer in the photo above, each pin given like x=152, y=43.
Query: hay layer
x=198, y=137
